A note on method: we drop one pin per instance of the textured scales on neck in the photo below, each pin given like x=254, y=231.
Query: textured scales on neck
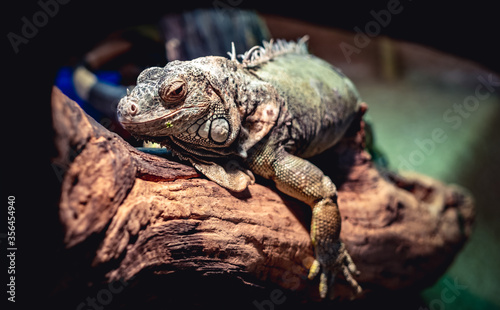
x=258, y=55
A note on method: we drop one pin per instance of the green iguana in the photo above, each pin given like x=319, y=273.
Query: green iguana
x=264, y=115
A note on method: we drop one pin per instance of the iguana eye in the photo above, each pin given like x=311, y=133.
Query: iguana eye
x=173, y=91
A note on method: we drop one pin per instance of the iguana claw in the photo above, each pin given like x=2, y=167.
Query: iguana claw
x=344, y=264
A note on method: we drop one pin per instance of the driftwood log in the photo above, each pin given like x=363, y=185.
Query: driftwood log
x=170, y=235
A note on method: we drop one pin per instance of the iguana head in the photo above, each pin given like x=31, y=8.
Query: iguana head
x=189, y=106
x=185, y=101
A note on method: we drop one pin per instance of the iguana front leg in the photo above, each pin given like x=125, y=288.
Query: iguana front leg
x=301, y=179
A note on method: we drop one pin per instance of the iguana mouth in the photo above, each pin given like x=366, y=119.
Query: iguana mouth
x=166, y=125
x=155, y=120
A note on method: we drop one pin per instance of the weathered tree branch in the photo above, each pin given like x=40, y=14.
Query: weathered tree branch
x=157, y=221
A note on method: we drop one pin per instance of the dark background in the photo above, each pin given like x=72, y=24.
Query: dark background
x=467, y=29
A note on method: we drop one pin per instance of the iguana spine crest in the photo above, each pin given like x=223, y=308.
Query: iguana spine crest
x=258, y=55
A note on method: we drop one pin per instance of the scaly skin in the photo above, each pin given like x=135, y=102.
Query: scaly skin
x=264, y=115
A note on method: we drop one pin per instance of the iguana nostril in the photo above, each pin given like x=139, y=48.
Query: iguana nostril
x=133, y=108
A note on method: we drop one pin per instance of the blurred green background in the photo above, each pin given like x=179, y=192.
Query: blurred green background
x=410, y=109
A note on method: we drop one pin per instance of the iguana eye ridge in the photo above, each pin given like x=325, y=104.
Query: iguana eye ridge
x=173, y=92
x=152, y=73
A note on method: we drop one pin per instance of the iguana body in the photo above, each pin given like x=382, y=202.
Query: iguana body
x=264, y=115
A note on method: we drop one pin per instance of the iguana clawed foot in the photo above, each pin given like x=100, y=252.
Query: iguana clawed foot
x=330, y=265
x=331, y=254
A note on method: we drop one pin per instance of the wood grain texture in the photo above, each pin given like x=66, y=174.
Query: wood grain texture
x=153, y=221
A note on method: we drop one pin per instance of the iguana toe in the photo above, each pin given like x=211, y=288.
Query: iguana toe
x=330, y=267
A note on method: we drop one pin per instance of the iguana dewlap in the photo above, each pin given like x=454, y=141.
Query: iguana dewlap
x=263, y=115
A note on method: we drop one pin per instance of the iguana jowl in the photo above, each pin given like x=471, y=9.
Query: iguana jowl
x=263, y=115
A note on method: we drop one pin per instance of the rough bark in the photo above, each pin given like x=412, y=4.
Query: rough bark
x=154, y=221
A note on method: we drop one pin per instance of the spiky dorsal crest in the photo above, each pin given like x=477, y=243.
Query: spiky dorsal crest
x=258, y=55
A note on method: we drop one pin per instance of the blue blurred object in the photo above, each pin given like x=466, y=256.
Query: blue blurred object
x=64, y=81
